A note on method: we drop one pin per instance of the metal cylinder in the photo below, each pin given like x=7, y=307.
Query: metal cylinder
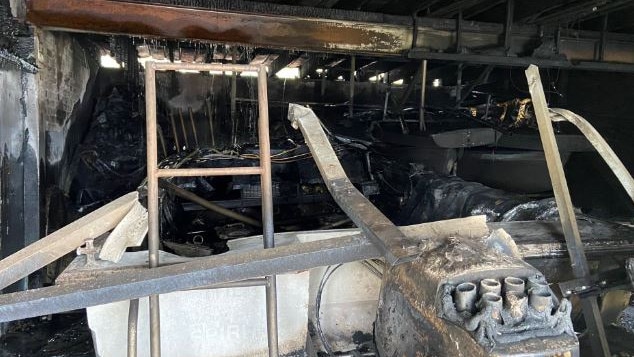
x=515, y=303
x=540, y=300
x=495, y=302
x=465, y=297
x=537, y=283
x=490, y=286
x=513, y=284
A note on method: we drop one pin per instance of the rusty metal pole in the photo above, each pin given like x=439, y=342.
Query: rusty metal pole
x=234, y=91
x=175, y=131
x=152, y=201
x=578, y=260
x=353, y=65
x=421, y=110
x=267, y=207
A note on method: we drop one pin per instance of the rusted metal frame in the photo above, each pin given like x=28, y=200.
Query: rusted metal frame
x=152, y=201
x=392, y=244
x=137, y=283
x=423, y=87
x=264, y=170
x=266, y=187
x=323, y=30
x=209, y=171
x=508, y=61
x=567, y=216
x=353, y=68
x=230, y=26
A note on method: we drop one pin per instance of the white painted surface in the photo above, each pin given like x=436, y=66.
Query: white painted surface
x=219, y=322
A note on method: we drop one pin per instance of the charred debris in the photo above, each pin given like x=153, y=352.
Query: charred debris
x=380, y=178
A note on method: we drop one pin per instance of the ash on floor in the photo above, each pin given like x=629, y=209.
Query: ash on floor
x=64, y=335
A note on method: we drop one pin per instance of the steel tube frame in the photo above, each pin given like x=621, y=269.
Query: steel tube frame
x=210, y=171
x=153, y=201
x=154, y=173
x=208, y=271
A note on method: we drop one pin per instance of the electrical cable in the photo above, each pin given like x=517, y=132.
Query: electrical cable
x=324, y=279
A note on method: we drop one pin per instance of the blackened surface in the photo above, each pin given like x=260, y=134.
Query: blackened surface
x=62, y=336
x=110, y=161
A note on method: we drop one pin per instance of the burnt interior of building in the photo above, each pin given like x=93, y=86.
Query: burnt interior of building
x=316, y=178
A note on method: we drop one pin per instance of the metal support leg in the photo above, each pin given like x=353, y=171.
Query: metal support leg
x=421, y=110
x=267, y=207
x=353, y=68
x=133, y=321
x=566, y=211
x=152, y=190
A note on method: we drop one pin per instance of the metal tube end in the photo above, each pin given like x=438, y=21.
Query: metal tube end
x=465, y=297
x=490, y=286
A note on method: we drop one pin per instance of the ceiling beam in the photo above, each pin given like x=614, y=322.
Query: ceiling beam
x=152, y=19
x=338, y=31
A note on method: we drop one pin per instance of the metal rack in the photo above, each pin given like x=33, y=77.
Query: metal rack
x=154, y=174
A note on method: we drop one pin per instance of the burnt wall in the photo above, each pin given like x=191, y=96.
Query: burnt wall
x=20, y=134
x=66, y=82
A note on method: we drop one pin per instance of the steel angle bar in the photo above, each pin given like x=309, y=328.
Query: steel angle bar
x=132, y=284
x=567, y=216
x=392, y=244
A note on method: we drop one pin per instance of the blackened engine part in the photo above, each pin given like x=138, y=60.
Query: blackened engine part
x=434, y=198
x=417, y=314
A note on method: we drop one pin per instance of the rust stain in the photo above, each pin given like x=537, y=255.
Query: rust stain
x=155, y=20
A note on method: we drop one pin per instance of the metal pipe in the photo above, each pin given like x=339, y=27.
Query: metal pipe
x=495, y=301
x=540, y=300
x=353, y=65
x=267, y=207
x=603, y=39
x=515, y=304
x=191, y=119
x=247, y=283
x=537, y=283
x=152, y=199
x=508, y=25
x=512, y=283
x=180, y=114
x=490, y=286
x=133, y=318
x=206, y=67
x=175, y=132
x=465, y=296
x=459, y=84
x=234, y=90
x=180, y=192
x=161, y=140
x=421, y=110
x=208, y=171
x=211, y=122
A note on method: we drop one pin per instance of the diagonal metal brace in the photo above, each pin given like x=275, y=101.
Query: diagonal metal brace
x=393, y=245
